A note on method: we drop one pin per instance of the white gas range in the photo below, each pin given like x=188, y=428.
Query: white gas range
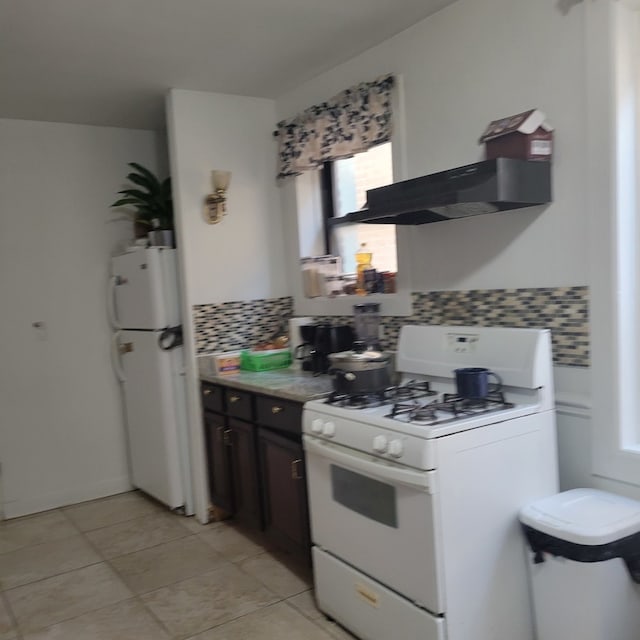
x=414, y=499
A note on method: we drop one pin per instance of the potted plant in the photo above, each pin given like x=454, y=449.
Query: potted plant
x=153, y=204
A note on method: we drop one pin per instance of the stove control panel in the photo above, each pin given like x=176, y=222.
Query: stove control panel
x=322, y=427
x=396, y=448
x=462, y=342
x=380, y=444
x=365, y=436
x=329, y=429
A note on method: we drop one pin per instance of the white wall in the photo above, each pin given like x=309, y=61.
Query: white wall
x=240, y=258
x=469, y=64
x=61, y=434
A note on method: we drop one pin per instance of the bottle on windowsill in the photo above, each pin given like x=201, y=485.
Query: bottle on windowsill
x=363, y=263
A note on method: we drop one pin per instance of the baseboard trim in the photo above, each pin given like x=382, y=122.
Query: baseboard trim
x=73, y=495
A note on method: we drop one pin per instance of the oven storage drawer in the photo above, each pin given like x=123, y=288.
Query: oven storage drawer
x=366, y=608
x=239, y=404
x=391, y=513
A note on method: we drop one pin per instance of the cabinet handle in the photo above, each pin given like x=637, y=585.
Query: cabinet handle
x=234, y=398
x=276, y=409
x=208, y=392
x=295, y=475
x=227, y=437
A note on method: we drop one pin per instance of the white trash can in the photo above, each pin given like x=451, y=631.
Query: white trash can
x=584, y=565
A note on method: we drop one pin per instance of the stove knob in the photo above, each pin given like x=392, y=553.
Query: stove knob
x=329, y=429
x=396, y=449
x=380, y=444
x=316, y=425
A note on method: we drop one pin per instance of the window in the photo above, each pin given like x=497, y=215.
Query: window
x=345, y=191
x=312, y=147
x=613, y=64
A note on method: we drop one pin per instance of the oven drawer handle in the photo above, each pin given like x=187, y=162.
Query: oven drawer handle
x=422, y=480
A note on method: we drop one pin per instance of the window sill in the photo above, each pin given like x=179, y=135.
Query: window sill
x=391, y=304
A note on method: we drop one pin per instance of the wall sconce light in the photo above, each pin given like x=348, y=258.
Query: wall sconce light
x=216, y=203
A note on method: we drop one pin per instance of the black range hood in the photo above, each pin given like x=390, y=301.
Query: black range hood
x=494, y=185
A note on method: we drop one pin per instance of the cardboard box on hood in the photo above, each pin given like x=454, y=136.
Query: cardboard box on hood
x=525, y=136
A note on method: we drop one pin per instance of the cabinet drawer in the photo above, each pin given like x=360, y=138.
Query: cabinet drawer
x=279, y=414
x=239, y=404
x=211, y=397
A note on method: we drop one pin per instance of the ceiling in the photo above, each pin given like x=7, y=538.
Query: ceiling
x=111, y=62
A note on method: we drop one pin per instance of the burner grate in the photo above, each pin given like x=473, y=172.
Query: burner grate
x=408, y=391
x=451, y=403
x=455, y=404
x=356, y=400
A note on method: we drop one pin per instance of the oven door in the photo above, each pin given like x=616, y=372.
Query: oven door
x=379, y=517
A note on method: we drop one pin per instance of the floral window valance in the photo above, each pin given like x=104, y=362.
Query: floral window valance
x=353, y=121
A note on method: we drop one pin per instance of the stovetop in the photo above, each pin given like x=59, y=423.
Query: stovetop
x=415, y=402
x=399, y=424
x=406, y=426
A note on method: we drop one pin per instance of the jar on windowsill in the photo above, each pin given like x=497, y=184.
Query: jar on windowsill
x=388, y=282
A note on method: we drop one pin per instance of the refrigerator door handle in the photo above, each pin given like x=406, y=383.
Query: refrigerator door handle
x=111, y=303
x=115, y=357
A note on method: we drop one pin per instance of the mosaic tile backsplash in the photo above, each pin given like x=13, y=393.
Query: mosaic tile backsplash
x=563, y=310
x=228, y=326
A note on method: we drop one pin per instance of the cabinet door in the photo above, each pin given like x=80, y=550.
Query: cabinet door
x=244, y=464
x=217, y=437
x=284, y=492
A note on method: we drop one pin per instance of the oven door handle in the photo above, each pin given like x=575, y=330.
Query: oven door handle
x=374, y=468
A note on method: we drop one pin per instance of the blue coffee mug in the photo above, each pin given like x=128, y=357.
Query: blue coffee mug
x=472, y=383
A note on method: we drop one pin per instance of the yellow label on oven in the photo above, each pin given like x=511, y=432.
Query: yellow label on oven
x=366, y=594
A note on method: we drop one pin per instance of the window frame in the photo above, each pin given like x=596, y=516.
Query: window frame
x=327, y=198
x=613, y=318
x=303, y=195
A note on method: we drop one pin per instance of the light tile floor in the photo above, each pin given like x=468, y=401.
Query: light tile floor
x=124, y=568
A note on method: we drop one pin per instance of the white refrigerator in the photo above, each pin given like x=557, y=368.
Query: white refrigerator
x=144, y=309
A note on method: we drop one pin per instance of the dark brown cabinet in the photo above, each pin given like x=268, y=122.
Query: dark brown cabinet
x=212, y=397
x=217, y=439
x=281, y=415
x=284, y=491
x=239, y=404
x=244, y=470
x=256, y=463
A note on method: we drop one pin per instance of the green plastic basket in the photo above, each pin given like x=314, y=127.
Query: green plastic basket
x=265, y=360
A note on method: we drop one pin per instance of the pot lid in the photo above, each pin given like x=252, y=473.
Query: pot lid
x=368, y=355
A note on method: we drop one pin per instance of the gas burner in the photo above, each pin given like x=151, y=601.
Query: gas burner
x=409, y=390
x=414, y=411
x=356, y=401
x=455, y=404
x=457, y=407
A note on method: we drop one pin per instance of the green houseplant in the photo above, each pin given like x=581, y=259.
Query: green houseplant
x=152, y=201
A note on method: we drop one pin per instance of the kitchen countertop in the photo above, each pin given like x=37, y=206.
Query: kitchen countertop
x=289, y=384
